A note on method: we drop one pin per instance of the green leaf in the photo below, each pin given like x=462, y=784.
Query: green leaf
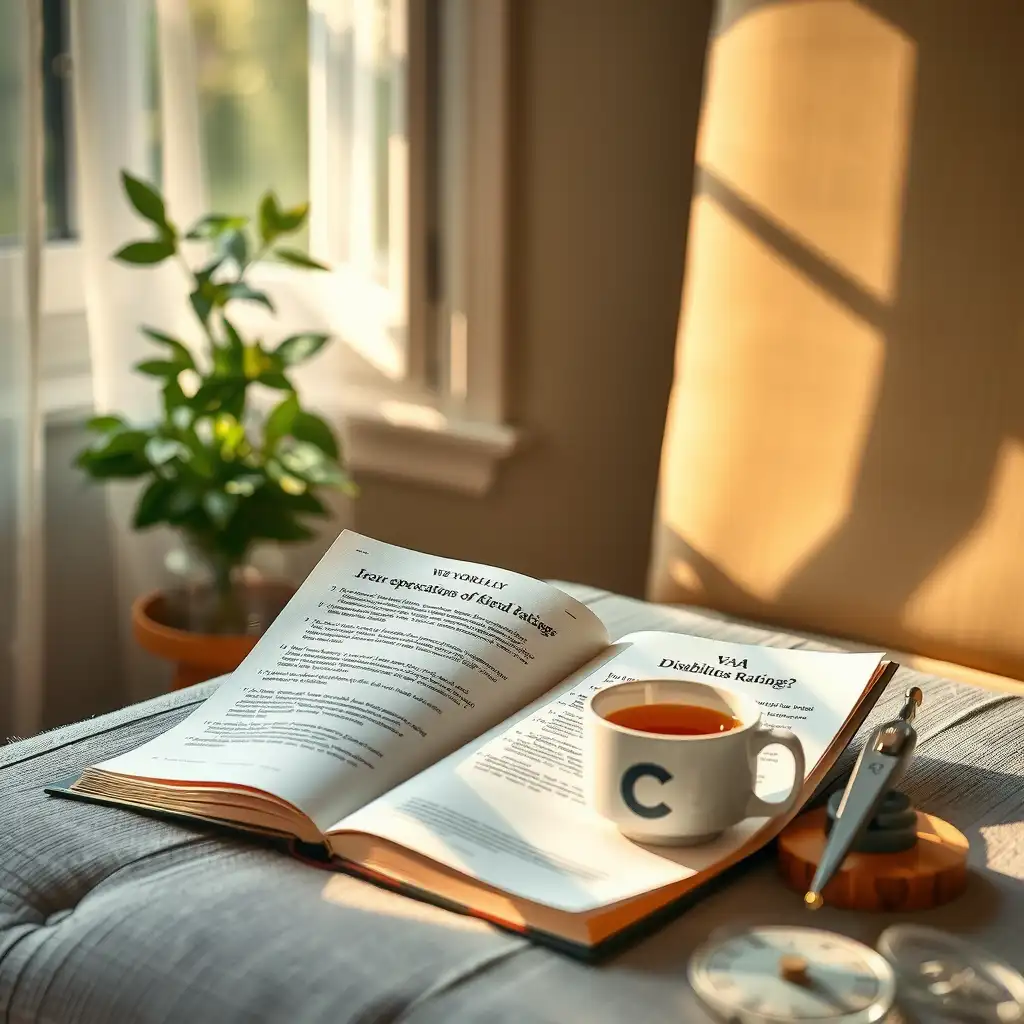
x=307, y=426
x=114, y=467
x=180, y=416
x=230, y=434
x=124, y=442
x=233, y=399
x=159, y=368
x=183, y=502
x=116, y=455
x=283, y=529
x=207, y=294
x=270, y=522
x=297, y=258
x=176, y=404
x=293, y=218
x=154, y=504
x=221, y=395
x=307, y=504
x=202, y=304
x=181, y=354
x=270, y=215
x=255, y=361
x=235, y=343
x=236, y=245
x=208, y=395
x=197, y=462
x=205, y=273
x=225, y=362
x=240, y=290
x=160, y=450
x=244, y=485
x=300, y=347
x=307, y=462
x=279, y=422
x=219, y=507
x=146, y=200
x=275, y=380
x=229, y=359
x=105, y=424
x=291, y=486
x=213, y=225
x=145, y=253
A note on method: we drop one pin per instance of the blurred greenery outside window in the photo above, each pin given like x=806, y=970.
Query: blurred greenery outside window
x=252, y=59
x=252, y=82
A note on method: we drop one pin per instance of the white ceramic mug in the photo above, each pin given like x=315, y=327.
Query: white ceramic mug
x=679, y=790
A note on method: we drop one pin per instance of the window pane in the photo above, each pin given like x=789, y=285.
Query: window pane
x=252, y=68
x=55, y=105
x=384, y=88
x=10, y=117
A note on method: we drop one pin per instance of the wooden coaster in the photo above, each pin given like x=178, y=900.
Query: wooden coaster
x=931, y=873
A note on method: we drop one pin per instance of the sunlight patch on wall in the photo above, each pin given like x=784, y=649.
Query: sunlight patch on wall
x=978, y=583
x=738, y=407
x=810, y=107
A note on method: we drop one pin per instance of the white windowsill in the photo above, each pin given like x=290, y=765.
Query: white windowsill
x=421, y=444
x=396, y=439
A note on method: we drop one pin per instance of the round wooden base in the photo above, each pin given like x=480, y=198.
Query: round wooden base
x=932, y=873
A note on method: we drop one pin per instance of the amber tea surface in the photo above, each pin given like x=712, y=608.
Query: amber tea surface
x=674, y=719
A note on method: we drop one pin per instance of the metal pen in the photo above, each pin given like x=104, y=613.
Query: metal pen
x=883, y=759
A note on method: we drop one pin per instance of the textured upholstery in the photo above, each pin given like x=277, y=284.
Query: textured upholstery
x=106, y=915
x=845, y=447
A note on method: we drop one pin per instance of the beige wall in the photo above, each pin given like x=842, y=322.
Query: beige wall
x=606, y=97
x=851, y=357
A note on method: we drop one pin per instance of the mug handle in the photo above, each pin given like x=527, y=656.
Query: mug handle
x=757, y=807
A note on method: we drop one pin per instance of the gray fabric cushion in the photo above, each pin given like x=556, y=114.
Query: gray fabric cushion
x=110, y=916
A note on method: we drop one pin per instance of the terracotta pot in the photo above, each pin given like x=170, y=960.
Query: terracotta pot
x=200, y=656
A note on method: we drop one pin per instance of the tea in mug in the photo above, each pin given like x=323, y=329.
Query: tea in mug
x=674, y=719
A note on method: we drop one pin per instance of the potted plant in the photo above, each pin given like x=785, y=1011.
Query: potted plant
x=225, y=474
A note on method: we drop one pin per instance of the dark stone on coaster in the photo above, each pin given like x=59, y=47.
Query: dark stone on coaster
x=891, y=830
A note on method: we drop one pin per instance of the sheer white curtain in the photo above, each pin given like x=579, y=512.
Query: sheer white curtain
x=115, y=129
x=21, y=436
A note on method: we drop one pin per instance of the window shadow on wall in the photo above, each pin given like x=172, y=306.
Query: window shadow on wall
x=950, y=393
x=949, y=399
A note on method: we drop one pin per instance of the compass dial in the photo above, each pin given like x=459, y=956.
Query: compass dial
x=781, y=973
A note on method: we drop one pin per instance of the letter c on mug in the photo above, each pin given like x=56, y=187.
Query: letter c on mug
x=631, y=776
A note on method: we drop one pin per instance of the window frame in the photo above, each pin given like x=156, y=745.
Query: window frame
x=403, y=413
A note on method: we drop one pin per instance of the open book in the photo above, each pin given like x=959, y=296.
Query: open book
x=421, y=718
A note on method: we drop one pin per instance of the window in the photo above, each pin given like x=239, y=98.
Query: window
x=310, y=97
x=389, y=116
x=56, y=73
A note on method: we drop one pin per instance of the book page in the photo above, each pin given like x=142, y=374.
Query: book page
x=384, y=661
x=508, y=810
